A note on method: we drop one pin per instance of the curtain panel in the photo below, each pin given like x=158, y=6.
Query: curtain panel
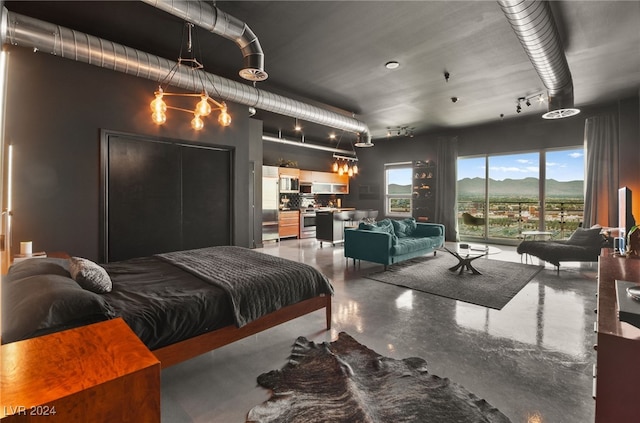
x=601, y=173
x=446, y=187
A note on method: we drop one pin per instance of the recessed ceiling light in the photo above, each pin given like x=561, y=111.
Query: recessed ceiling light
x=392, y=65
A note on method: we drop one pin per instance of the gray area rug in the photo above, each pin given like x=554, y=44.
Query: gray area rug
x=499, y=283
x=344, y=381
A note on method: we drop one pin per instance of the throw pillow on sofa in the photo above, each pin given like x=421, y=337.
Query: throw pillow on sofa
x=404, y=228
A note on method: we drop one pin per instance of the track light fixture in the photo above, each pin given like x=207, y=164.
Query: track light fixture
x=203, y=108
x=527, y=101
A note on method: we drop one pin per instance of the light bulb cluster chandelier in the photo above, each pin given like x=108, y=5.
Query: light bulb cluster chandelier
x=203, y=107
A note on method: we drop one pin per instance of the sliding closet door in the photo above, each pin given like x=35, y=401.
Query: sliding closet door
x=144, y=198
x=206, y=197
x=162, y=196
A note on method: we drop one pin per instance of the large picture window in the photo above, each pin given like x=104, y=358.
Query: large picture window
x=398, y=189
x=502, y=196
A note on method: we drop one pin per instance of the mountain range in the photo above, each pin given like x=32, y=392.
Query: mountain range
x=520, y=188
x=472, y=188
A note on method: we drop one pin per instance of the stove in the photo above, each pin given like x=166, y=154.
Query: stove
x=307, y=223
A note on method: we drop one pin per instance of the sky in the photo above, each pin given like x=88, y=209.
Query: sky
x=564, y=165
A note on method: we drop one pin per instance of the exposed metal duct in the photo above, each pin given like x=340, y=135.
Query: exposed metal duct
x=54, y=39
x=533, y=23
x=218, y=22
x=285, y=141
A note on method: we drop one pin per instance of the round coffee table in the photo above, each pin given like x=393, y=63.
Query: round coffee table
x=466, y=255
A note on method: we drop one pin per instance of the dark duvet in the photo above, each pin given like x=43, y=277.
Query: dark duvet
x=163, y=298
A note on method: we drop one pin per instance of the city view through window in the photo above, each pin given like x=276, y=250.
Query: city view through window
x=501, y=196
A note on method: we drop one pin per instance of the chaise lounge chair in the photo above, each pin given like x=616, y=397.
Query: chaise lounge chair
x=583, y=245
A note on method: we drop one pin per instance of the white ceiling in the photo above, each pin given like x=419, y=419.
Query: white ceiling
x=333, y=52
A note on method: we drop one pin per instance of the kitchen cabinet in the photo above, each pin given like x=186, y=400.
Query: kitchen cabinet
x=322, y=177
x=289, y=223
x=306, y=176
x=289, y=171
x=617, y=371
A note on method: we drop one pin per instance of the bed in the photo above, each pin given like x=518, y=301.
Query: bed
x=180, y=304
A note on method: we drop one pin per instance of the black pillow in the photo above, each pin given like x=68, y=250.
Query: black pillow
x=586, y=237
x=41, y=304
x=39, y=266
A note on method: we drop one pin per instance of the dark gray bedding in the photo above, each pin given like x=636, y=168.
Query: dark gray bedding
x=256, y=283
x=162, y=303
x=163, y=299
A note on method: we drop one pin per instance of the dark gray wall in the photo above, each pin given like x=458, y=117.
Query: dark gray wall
x=517, y=134
x=55, y=110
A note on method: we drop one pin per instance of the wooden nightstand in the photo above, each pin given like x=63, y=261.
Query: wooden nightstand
x=96, y=373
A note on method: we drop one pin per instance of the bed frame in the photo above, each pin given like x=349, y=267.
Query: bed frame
x=192, y=347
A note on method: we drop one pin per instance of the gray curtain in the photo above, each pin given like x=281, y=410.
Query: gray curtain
x=446, y=195
x=601, y=173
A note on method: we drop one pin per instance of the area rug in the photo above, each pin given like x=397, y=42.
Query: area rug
x=345, y=381
x=499, y=283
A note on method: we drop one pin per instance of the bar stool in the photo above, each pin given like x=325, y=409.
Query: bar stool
x=358, y=216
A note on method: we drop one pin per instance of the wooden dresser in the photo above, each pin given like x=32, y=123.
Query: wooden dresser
x=96, y=373
x=617, y=372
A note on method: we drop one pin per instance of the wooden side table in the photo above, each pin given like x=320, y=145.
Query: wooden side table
x=96, y=373
x=617, y=369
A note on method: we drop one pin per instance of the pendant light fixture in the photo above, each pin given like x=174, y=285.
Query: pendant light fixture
x=206, y=104
x=345, y=164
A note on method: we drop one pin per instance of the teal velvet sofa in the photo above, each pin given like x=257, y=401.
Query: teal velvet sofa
x=391, y=241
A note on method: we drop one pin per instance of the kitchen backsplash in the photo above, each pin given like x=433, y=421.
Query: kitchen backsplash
x=297, y=201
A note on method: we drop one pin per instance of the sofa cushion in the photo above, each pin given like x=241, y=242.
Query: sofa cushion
x=410, y=244
x=405, y=227
x=586, y=237
x=423, y=229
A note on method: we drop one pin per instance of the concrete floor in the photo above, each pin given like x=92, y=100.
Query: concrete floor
x=532, y=359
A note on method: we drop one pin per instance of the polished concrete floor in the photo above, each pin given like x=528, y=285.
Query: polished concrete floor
x=532, y=360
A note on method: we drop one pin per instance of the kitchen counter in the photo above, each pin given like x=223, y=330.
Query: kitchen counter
x=330, y=224
x=330, y=209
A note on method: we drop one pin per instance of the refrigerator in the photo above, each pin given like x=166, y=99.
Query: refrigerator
x=270, y=200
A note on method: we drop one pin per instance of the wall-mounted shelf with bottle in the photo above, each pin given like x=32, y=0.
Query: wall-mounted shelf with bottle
x=423, y=195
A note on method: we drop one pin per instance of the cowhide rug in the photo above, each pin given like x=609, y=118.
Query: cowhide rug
x=345, y=381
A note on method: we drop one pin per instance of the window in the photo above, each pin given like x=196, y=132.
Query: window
x=398, y=189
x=501, y=196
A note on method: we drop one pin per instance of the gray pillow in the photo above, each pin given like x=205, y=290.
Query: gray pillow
x=89, y=275
x=586, y=237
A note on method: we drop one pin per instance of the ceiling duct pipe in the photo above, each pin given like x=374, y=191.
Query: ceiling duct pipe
x=533, y=23
x=50, y=38
x=218, y=22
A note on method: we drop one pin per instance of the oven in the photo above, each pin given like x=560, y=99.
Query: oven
x=307, y=224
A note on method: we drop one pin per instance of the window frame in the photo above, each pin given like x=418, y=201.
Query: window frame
x=388, y=197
